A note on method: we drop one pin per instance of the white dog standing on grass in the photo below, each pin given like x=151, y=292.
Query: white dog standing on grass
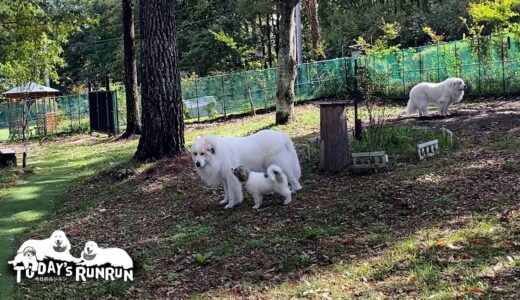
x=215, y=157
x=258, y=184
x=442, y=94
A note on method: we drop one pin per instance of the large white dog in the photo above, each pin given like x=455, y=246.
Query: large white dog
x=93, y=255
x=443, y=94
x=56, y=247
x=215, y=157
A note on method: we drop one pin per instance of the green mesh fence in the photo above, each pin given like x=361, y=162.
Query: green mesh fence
x=489, y=65
x=39, y=117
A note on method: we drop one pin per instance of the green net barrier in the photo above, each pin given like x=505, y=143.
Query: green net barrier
x=489, y=65
x=55, y=115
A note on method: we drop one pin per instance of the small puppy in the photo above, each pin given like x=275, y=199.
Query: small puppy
x=258, y=184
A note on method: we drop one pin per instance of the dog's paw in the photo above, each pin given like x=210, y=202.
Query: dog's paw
x=286, y=202
x=256, y=207
x=225, y=201
x=229, y=206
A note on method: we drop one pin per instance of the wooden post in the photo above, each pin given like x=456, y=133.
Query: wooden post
x=334, y=146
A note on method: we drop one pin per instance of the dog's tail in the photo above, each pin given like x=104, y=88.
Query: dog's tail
x=411, y=108
x=275, y=173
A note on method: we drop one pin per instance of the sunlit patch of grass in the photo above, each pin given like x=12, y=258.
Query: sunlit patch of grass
x=425, y=259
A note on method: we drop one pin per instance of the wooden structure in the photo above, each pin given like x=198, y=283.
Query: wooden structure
x=7, y=157
x=29, y=94
x=334, y=145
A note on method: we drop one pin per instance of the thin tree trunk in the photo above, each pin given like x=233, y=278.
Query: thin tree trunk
x=163, y=124
x=311, y=7
x=277, y=34
x=286, y=62
x=133, y=124
x=269, y=43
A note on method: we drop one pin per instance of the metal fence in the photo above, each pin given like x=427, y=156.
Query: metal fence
x=489, y=65
x=52, y=115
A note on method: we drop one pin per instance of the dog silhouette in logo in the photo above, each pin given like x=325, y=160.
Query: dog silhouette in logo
x=93, y=255
x=57, y=247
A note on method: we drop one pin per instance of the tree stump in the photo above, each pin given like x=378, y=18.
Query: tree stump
x=334, y=147
x=7, y=157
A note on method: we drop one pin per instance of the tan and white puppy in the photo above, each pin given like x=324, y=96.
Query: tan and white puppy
x=258, y=184
x=214, y=158
x=443, y=94
x=57, y=247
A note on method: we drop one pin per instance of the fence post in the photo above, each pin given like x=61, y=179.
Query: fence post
x=420, y=66
x=478, y=65
x=197, y=98
x=79, y=113
x=455, y=57
x=223, y=96
x=438, y=65
x=402, y=75
x=503, y=65
x=70, y=113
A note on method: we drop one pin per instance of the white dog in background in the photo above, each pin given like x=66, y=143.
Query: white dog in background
x=443, y=94
x=93, y=255
x=258, y=184
x=215, y=157
x=57, y=247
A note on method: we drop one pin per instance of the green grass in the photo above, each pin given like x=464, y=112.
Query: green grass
x=56, y=165
x=416, y=263
x=399, y=142
x=4, y=134
x=343, y=236
x=504, y=144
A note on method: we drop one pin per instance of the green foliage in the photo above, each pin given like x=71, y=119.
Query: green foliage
x=399, y=142
x=498, y=15
x=202, y=259
x=212, y=109
x=31, y=37
x=436, y=38
x=246, y=53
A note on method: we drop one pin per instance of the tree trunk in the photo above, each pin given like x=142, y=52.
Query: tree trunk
x=311, y=7
x=163, y=124
x=133, y=124
x=269, y=43
x=286, y=62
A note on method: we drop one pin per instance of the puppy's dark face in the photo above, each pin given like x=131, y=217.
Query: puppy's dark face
x=242, y=173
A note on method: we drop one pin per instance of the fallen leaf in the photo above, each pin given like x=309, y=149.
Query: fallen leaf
x=454, y=247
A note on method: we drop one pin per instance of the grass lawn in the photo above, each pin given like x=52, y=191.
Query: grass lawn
x=29, y=200
x=4, y=134
x=443, y=228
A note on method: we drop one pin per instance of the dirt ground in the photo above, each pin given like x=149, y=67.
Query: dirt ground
x=185, y=245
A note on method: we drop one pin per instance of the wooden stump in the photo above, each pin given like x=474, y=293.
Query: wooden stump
x=7, y=157
x=334, y=147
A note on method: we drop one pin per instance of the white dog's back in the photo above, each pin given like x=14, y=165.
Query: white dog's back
x=425, y=93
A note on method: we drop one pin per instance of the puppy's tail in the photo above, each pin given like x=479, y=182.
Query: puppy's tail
x=275, y=173
x=411, y=108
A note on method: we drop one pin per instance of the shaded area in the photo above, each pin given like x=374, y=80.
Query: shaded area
x=421, y=229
